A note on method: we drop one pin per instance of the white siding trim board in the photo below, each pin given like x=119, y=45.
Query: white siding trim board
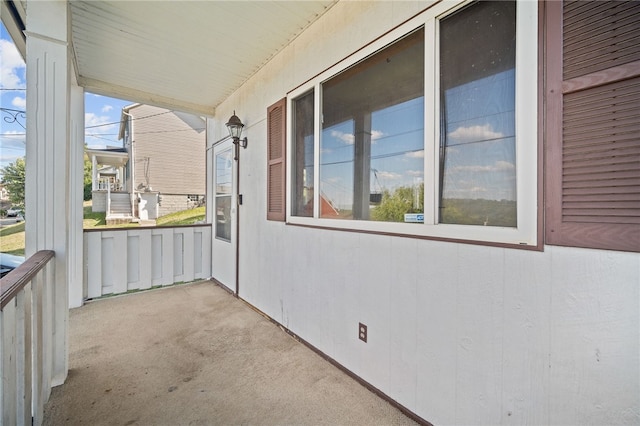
x=458, y=333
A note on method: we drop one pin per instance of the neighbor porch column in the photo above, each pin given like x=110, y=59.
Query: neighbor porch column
x=94, y=173
x=49, y=160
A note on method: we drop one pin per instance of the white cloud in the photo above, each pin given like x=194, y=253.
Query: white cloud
x=12, y=146
x=478, y=189
x=349, y=139
x=504, y=165
x=415, y=173
x=388, y=175
x=107, y=108
x=346, y=138
x=93, y=134
x=5, y=160
x=498, y=166
x=13, y=140
x=415, y=154
x=474, y=133
x=11, y=64
x=19, y=102
x=91, y=119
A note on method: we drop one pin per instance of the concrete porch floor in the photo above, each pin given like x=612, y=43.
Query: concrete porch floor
x=194, y=355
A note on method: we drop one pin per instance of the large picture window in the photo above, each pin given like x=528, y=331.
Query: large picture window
x=372, y=145
x=429, y=131
x=477, y=106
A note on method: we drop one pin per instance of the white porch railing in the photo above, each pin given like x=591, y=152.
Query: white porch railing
x=108, y=184
x=108, y=211
x=121, y=260
x=26, y=343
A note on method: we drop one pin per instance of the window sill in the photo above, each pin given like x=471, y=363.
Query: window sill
x=410, y=232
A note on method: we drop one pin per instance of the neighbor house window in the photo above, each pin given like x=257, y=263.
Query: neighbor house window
x=431, y=130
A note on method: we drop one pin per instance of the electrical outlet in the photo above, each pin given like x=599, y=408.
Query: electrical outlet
x=362, y=332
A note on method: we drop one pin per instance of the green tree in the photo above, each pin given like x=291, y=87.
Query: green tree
x=395, y=204
x=87, y=179
x=13, y=177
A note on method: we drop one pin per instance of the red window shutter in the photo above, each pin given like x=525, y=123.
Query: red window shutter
x=593, y=125
x=276, y=150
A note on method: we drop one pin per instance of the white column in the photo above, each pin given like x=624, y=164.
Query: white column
x=210, y=216
x=94, y=173
x=76, y=196
x=49, y=159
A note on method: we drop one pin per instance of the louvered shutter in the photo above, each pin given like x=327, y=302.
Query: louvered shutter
x=593, y=121
x=276, y=119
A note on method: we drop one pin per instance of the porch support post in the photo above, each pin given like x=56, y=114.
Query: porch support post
x=362, y=166
x=76, y=195
x=49, y=158
x=94, y=173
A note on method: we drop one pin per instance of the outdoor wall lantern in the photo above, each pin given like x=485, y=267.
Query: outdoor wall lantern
x=235, y=131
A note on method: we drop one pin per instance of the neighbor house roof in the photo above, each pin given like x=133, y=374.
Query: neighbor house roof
x=197, y=123
x=109, y=156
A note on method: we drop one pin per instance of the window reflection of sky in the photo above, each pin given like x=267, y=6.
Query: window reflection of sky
x=397, y=152
x=224, y=168
x=223, y=185
x=480, y=139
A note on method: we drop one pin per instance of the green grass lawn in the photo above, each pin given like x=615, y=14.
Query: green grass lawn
x=12, y=237
x=185, y=217
x=91, y=219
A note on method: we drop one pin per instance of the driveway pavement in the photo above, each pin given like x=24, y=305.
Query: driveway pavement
x=194, y=355
x=9, y=221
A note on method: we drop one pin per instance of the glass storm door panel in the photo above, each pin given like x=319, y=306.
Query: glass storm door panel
x=224, y=218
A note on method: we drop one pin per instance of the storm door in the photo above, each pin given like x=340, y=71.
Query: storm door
x=225, y=216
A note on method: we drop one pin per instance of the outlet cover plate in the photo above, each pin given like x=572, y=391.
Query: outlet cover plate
x=362, y=332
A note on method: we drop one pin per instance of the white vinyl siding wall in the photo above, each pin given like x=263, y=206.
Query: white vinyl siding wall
x=457, y=333
x=176, y=152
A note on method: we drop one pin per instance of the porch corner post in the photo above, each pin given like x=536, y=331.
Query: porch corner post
x=76, y=196
x=48, y=203
x=209, y=189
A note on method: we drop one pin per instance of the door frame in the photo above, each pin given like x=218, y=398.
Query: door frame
x=217, y=148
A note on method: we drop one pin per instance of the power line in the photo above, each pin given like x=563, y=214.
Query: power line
x=111, y=123
x=102, y=135
x=375, y=157
x=106, y=139
x=145, y=133
x=122, y=121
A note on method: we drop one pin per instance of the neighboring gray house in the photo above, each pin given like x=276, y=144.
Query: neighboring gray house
x=159, y=170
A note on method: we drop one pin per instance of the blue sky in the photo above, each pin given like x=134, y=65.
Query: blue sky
x=397, y=152
x=102, y=114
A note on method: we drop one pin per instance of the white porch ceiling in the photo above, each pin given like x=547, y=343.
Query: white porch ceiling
x=184, y=55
